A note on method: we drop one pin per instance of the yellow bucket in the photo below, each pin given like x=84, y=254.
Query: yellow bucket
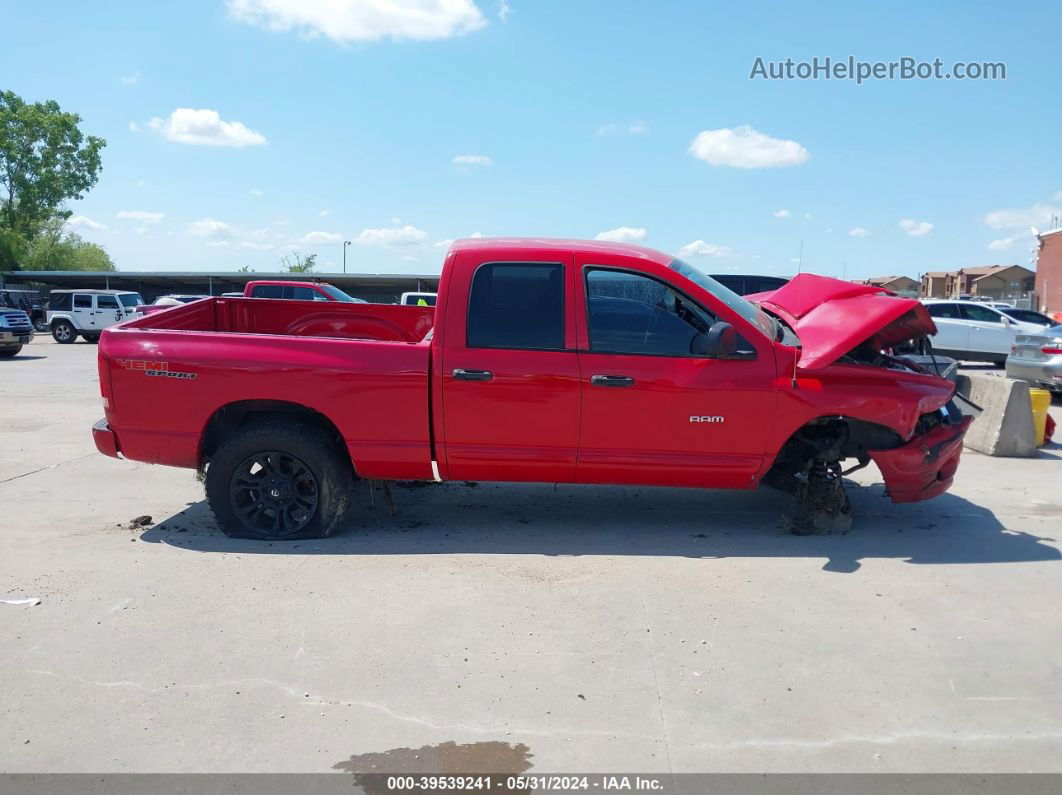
x=1040, y=399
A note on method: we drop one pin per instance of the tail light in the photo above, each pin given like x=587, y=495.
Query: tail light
x=1051, y=349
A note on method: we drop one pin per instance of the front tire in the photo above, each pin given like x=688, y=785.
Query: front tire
x=280, y=480
x=64, y=332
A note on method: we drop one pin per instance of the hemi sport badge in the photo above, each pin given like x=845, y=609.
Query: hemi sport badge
x=161, y=369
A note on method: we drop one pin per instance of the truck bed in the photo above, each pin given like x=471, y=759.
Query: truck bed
x=363, y=366
x=333, y=319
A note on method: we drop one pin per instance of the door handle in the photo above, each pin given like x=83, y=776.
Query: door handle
x=611, y=380
x=473, y=375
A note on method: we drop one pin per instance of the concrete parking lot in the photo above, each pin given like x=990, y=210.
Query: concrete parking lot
x=535, y=627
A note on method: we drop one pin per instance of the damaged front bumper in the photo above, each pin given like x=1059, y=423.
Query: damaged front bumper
x=925, y=466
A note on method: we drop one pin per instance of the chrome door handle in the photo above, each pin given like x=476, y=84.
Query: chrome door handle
x=611, y=380
x=472, y=375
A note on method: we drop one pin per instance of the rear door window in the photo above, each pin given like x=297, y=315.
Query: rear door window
x=950, y=311
x=106, y=302
x=82, y=302
x=982, y=314
x=268, y=291
x=517, y=305
x=59, y=302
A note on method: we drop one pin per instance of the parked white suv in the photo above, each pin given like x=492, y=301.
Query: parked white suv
x=976, y=332
x=86, y=313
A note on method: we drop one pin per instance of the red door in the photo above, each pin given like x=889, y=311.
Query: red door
x=655, y=413
x=510, y=372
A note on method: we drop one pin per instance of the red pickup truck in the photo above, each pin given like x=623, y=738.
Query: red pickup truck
x=543, y=361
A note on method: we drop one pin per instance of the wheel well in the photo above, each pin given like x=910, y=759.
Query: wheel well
x=828, y=439
x=228, y=419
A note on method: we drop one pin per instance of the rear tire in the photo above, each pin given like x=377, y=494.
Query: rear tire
x=64, y=332
x=92, y=339
x=7, y=353
x=280, y=480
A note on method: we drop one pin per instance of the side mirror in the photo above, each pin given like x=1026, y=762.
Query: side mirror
x=718, y=342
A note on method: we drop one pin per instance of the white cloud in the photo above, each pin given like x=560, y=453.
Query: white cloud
x=396, y=236
x=698, y=248
x=141, y=183
x=807, y=216
x=1002, y=244
x=345, y=21
x=134, y=127
x=473, y=160
x=623, y=234
x=859, y=231
x=85, y=223
x=204, y=127
x=1037, y=215
x=256, y=246
x=130, y=80
x=324, y=213
x=318, y=238
x=504, y=9
x=782, y=214
x=744, y=147
x=627, y=128
x=213, y=231
x=143, y=216
x=915, y=228
x=256, y=192
x=445, y=243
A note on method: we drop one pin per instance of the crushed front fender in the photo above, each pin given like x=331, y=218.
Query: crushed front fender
x=925, y=466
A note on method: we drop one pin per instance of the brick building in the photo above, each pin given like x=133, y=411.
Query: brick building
x=1049, y=272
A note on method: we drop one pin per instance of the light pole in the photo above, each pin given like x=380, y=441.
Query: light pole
x=345, y=244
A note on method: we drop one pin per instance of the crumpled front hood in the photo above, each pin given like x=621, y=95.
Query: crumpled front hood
x=832, y=317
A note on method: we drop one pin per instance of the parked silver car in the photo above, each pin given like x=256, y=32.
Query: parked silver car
x=1038, y=358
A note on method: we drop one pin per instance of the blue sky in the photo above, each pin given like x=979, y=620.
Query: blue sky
x=238, y=129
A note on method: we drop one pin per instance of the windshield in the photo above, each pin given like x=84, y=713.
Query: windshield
x=752, y=313
x=1026, y=316
x=338, y=295
x=130, y=299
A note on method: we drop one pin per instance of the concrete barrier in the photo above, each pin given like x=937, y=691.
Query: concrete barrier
x=1005, y=427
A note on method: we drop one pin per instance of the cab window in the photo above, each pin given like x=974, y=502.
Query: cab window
x=517, y=305
x=106, y=302
x=632, y=313
x=82, y=302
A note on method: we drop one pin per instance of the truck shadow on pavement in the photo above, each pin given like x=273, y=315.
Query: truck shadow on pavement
x=522, y=519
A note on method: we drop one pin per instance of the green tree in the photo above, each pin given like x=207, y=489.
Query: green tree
x=45, y=160
x=56, y=250
x=294, y=263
